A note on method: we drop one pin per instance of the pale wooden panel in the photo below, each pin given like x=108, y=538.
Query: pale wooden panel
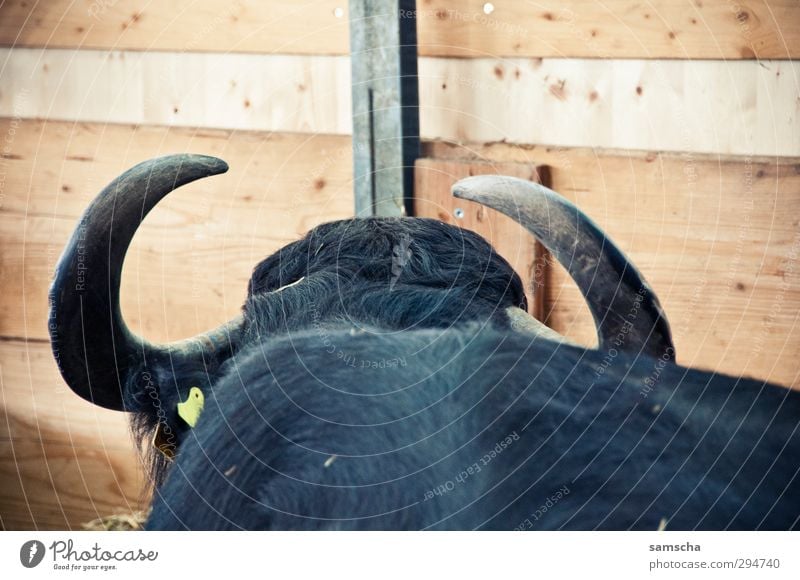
x=230, y=91
x=547, y=28
x=272, y=26
x=63, y=461
x=188, y=266
x=432, y=181
x=612, y=29
x=719, y=240
x=742, y=107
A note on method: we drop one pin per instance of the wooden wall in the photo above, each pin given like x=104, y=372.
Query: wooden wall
x=662, y=29
x=673, y=123
x=745, y=107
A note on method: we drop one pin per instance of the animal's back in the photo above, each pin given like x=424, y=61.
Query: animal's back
x=478, y=428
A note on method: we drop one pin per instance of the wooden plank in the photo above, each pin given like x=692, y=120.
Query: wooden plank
x=746, y=108
x=39, y=403
x=269, y=26
x=719, y=240
x=229, y=91
x=745, y=29
x=188, y=266
x=681, y=29
x=433, y=179
x=63, y=461
x=53, y=485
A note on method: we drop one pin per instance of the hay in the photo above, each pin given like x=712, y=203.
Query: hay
x=124, y=522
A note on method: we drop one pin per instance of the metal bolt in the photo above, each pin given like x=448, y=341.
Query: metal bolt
x=459, y=213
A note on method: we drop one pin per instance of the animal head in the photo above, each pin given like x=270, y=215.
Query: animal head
x=388, y=274
x=375, y=274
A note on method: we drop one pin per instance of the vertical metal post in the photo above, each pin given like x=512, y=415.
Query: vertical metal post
x=383, y=48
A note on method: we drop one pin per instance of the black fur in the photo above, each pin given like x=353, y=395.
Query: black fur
x=385, y=390
x=452, y=275
x=350, y=275
x=700, y=451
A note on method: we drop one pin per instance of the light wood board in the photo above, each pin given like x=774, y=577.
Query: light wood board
x=745, y=29
x=63, y=462
x=744, y=107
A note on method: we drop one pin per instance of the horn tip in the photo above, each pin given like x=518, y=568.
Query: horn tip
x=479, y=187
x=464, y=189
x=215, y=165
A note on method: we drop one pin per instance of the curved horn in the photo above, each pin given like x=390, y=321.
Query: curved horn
x=626, y=311
x=95, y=350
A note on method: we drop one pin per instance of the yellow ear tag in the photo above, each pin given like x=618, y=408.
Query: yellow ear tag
x=191, y=408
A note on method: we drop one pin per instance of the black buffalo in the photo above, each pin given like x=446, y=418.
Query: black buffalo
x=384, y=375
